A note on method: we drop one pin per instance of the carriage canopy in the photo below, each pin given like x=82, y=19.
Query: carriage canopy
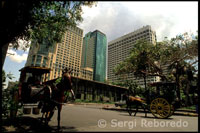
x=33, y=69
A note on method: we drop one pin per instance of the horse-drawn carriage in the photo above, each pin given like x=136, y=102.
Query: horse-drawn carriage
x=31, y=83
x=36, y=93
x=161, y=100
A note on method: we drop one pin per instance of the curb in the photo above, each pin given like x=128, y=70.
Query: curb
x=178, y=112
x=175, y=113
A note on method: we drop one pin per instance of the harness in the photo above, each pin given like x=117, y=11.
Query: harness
x=131, y=98
x=40, y=90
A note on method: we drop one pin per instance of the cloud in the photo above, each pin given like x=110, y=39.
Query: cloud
x=14, y=56
x=118, y=18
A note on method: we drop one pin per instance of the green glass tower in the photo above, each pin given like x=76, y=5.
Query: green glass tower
x=94, y=54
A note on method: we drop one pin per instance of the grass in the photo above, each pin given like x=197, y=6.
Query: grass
x=88, y=101
x=193, y=107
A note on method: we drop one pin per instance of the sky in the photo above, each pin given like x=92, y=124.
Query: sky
x=116, y=19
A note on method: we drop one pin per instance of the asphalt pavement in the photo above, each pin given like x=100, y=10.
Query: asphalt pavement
x=93, y=117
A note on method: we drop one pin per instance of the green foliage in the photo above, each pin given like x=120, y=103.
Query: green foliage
x=9, y=103
x=47, y=21
x=3, y=78
x=58, y=80
x=183, y=47
x=90, y=101
x=180, y=53
x=146, y=58
x=141, y=61
x=9, y=99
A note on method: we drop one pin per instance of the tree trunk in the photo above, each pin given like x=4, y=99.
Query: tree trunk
x=145, y=88
x=145, y=84
x=4, y=52
x=178, y=87
x=188, y=100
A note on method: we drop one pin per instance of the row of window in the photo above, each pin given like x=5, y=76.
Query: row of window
x=75, y=29
x=123, y=42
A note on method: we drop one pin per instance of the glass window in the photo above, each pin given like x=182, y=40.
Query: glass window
x=33, y=58
x=38, y=60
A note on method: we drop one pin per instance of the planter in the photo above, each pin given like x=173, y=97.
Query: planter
x=27, y=110
x=36, y=111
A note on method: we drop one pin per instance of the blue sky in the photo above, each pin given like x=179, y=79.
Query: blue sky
x=116, y=19
x=13, y=63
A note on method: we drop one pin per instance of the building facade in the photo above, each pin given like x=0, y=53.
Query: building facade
x=119, y=50
x=62, y=55
x=68, y=52
x=42, y=55
x=94, y=54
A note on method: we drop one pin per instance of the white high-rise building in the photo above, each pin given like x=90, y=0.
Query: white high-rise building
x=119, y=50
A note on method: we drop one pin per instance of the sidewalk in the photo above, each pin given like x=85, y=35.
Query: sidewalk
x=177, y=112
x=106, y=106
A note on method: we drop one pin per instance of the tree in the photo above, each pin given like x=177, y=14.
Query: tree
x=141, y=62
x=9, y=102
x=180, y=53
x=3, y=75
x=38, y=21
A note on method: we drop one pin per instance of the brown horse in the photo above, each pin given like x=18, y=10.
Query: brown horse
x=131, y=100
x=56, y=99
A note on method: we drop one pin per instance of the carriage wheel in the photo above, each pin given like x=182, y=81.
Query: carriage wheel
x=160, y=108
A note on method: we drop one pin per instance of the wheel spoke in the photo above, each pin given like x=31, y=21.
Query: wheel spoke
x=160, y=108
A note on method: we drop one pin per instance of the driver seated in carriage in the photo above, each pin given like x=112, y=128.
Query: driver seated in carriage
x=34, y=80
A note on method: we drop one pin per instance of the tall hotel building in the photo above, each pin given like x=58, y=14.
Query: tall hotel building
x=57, y=57
x=94, y=54
x=119, y=50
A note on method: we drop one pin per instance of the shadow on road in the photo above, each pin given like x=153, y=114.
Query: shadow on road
x=29, y=124
x=152, y=117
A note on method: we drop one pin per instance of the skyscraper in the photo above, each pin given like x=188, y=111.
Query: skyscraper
x=119, y=50
x=57, y=57
x=94, y=54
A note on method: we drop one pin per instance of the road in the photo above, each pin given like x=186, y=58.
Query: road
x=93, y=118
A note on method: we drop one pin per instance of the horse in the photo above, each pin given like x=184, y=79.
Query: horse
x=56, y=97
x=131, y=100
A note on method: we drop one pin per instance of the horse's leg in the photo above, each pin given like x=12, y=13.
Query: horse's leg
x=136, y=109
x=128, y=108
x=144, y=109
x=59, y=111
x=51, y=114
